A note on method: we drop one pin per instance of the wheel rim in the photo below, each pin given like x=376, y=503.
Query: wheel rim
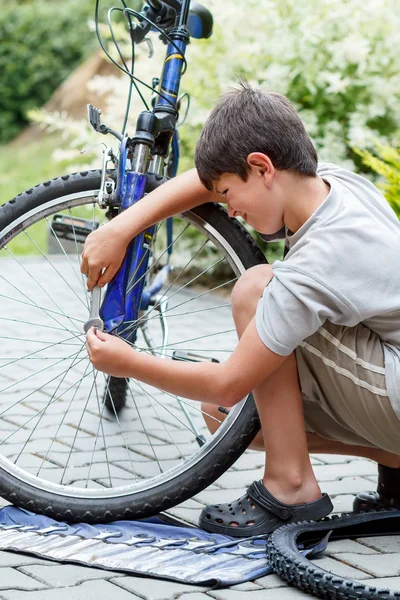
x=55, y=433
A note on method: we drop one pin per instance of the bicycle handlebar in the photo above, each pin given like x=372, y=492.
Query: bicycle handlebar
x=163, y=12
x=175, y=4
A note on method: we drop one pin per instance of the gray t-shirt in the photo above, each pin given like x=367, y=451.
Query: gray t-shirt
x=342, y=266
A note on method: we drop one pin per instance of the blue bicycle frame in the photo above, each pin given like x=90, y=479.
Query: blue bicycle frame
x=126, y=294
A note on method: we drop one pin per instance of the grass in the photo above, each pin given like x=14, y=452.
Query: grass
x=24, y=166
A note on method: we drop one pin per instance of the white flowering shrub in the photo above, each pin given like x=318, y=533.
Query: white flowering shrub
x=337, y=60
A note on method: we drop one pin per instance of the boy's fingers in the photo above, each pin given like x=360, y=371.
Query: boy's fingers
x=94, y=335
x=101, y=335
x=91, y=338
x=84, y=265
x=107, y=275
x=93, y=278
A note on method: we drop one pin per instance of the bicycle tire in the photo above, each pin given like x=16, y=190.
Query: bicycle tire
x=115, y=394
x=211, y=460
x=291, y=565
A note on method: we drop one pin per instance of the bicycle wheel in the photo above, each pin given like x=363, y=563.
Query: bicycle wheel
x=290, y=563
x=61, y=452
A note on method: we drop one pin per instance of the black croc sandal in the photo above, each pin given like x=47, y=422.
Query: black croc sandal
x=258, y=512
x=387, y=494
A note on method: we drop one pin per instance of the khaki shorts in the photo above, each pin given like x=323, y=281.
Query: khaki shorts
x=342, y=379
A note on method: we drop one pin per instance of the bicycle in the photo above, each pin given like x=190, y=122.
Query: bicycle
x=104, y=432
x=75, y=444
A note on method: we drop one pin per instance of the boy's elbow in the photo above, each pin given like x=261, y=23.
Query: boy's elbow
x=230, y=392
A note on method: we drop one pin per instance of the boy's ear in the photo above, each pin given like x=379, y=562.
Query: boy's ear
x=262, y=164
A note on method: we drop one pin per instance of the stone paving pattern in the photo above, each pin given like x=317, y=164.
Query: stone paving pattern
x=374, y=561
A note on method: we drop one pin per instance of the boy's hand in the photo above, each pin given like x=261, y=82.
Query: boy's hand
x=109, y=353
x=105, y=249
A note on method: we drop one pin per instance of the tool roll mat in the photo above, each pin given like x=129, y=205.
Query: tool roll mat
x=158, y=547
x=167, y=548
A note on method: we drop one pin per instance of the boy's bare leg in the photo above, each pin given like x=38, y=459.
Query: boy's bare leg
x=288, y=472
x=316, y=443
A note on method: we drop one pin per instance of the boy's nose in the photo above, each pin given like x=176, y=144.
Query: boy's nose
x=231, y=212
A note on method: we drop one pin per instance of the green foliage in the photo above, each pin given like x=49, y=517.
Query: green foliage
x=386, y=162
x=24, y=166
x=41, y=42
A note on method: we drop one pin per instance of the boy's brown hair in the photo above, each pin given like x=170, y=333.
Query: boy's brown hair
x=247, y=120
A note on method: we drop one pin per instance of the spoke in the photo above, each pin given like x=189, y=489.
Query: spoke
x=200, y=337
x=209, y=291
x=62, y=420
x=165, y=408
x=39, y=388
x=161, y=420
x=203, y=412
x=27, y=356
x=182, y=287
x=183, y=314
x=37, y=357
x=45, y=408
x=37, y=283
x=80, y=280
x=170, y=355
x=62, y=342
x=48, y=404
x=97, y=432
x=36, y=324
x=80, y=421
x=54, y=268
x=217, y=287
x=108, y=391
x=143, y=427
x=45, y=310
x=79, y=261
x=158, y=259
x=177, y=277
x=143, y=318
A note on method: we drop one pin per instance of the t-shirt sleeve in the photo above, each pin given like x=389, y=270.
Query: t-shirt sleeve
x=293, y=306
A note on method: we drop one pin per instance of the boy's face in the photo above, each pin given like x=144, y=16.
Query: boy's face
x=253, y=200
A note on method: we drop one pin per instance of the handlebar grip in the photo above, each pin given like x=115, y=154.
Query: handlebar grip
x=156, y=4
x=175, y=4
x=163, y=12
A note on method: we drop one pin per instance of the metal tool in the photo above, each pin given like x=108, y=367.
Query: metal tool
x=94, y=317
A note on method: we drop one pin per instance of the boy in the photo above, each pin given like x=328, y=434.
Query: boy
x=319, y=332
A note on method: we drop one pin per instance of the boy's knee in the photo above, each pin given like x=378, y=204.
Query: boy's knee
x=249, y=288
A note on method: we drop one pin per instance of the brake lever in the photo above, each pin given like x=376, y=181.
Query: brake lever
x=150, y=47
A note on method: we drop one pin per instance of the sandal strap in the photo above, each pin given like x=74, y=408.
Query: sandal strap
x=261, y=496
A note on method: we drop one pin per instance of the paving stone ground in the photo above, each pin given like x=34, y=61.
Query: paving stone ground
x=374, y=561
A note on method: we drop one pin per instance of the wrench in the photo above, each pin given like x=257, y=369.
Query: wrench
x=94, y=317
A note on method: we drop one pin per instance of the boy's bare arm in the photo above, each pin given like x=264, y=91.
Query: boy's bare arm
x=106, y=247
x=226, y=383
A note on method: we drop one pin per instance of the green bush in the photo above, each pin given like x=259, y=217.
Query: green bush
x=40, y=44
x=386, y=162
